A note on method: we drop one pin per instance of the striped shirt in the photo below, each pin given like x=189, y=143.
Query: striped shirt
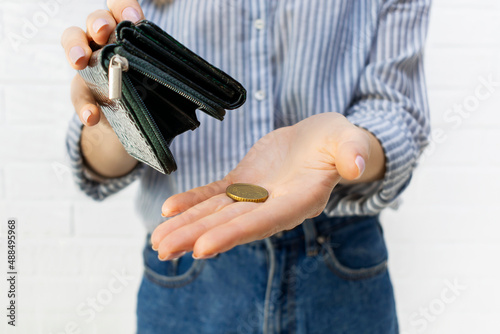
x=296, y=58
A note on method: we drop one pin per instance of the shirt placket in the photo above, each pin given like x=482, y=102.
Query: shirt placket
x=260, y=91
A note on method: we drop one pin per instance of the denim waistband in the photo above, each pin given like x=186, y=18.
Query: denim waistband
x=312, y=230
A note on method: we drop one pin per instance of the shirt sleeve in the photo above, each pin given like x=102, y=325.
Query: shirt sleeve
x=94, y=186
x=391, y=103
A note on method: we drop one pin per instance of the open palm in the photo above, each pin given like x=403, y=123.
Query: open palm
x=299, y=166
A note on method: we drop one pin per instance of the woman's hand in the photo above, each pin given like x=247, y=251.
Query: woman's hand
x=101, y=148
x=299, y=165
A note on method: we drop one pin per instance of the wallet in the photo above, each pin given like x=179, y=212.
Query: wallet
x=149, y=87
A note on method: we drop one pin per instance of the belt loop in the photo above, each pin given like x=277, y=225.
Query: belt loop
x=312, y=247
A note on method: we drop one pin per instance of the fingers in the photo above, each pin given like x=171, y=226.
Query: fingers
x=100, y=24
x=76, y=46
x=84, y=102
x=129, y=10
x=181, y=202
x=205, y=208
x=184, y=238
x=265, y=220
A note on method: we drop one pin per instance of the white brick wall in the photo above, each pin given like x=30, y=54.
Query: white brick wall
x=446, y=232
x=447, y=228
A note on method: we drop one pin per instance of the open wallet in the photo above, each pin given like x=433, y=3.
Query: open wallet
x=149, y=86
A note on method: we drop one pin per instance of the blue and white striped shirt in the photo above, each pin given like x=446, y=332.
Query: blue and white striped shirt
x=296, y=58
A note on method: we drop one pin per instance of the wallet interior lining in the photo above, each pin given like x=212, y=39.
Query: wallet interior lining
x=171, y=112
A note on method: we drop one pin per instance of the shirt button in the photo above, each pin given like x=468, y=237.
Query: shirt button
x=259, y=24
x=260, y=95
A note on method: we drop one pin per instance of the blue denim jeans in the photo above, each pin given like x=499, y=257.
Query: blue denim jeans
x=328, y=275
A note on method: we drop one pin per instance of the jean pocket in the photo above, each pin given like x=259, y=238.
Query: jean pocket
x=356, y=251
x=171, y=274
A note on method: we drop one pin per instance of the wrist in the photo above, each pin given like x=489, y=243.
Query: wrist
x=103, y=152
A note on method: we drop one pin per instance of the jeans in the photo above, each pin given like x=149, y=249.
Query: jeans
x=327, y=275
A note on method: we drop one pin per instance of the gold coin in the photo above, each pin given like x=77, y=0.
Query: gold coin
x=246, y=192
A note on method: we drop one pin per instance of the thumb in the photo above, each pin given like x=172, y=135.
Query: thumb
x=352, y=154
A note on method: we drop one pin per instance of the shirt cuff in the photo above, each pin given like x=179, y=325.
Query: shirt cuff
x=401, y=154
x=93, y=185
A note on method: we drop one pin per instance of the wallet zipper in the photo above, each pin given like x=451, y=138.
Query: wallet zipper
x=117, y=65
x=199, y=103
x=166, y=84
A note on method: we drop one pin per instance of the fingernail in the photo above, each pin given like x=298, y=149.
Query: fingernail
x=154, y=248
x=86, y=115
x=130, y=14
x=164, y=210
x=204, y=257
x=169, y=213
x=360, y=162
x=76, y=53
x=172, y=256
x=99, y=24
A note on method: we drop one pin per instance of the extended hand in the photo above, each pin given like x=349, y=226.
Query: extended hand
x=299, y=165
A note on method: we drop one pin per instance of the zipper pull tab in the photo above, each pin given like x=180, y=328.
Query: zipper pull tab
x=117, y=64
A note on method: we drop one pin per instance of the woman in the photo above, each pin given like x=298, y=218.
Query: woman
x=334, y=124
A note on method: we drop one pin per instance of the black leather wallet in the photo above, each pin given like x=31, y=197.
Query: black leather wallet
x=149, y=85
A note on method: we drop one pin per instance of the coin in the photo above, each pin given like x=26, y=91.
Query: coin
x=246, y=192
